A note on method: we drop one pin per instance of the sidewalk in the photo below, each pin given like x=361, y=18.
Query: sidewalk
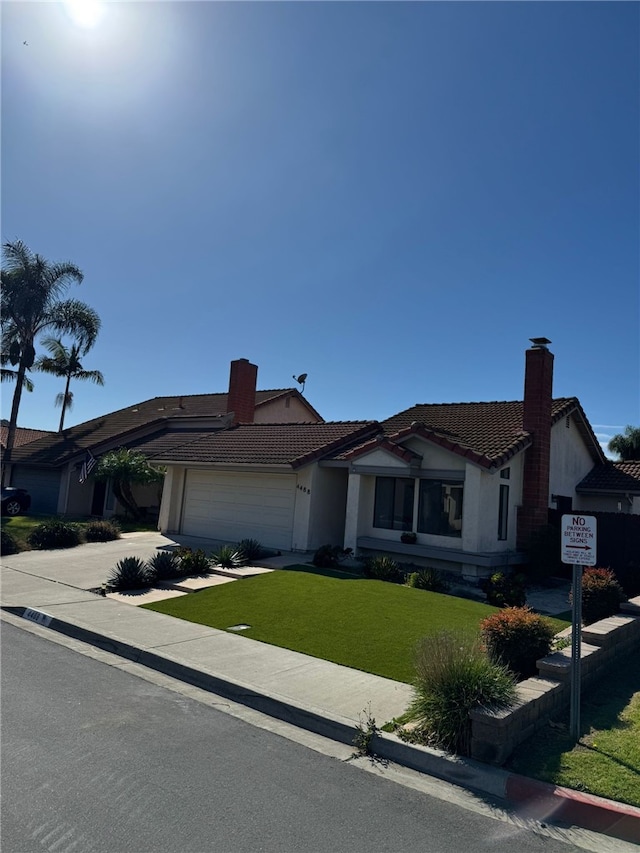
x=52, y=588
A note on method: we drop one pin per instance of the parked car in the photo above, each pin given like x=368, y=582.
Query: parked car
x=15, y=501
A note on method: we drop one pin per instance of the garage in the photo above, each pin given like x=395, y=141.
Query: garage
x=42, y=484
x=233, y=506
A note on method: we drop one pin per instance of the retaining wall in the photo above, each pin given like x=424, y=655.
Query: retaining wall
x=495, y=734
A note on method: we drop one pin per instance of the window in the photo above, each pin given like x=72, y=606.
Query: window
x=503, y=512
x=440, y=508
x=505, y=473
x=393, y=508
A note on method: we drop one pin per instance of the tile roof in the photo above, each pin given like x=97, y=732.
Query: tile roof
x=486, y=433
x=612, y=477
x=58, y=448
x=267, y=444
x=24, y=435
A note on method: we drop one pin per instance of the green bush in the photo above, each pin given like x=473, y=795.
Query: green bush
x=193, y=562
x=8, y=544
x=165, y=566
x=517, y=637
x=101, y=531
x=328, y=556
x=454, y=675
x=54, y=534
x=601, y=595
x=429, y=579
x=504, y=590
x=383, y=568
x=228, y=557
x=251, y=549
x=130, y=573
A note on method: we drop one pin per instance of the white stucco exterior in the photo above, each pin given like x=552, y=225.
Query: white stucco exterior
x=570, y=462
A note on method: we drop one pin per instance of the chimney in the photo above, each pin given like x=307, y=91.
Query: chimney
x=536, y=420
x=241, y=399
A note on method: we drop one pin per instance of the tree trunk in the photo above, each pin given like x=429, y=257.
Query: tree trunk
x=13, y=420
x=123, y=494
x=64, y=402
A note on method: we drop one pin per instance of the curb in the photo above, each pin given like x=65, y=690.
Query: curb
x=541, y=801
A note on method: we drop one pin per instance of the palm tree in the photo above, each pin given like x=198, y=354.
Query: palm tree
x=627, y=444
x=30, y=304
x=66, y=363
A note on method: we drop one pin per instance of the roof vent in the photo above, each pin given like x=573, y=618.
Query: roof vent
x=540, y=343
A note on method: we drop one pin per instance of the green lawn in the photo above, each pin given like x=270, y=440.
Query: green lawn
x=20, y=526
x=365, y=624
x=606, y=762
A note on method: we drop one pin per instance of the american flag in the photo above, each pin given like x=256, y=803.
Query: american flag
x=88, y=464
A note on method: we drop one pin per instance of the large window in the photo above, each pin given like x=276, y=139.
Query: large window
x=393, y=508
x=440, y=508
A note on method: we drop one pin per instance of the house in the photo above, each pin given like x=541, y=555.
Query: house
x=49, y=467
x=472, y=481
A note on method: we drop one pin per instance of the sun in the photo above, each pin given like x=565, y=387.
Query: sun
x=85, y=13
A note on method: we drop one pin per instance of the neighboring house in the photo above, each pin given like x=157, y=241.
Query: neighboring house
x=23, y=434
x=49, y=467
x=613, y=487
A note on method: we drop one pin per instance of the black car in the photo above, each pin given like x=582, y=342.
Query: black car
x=15, y=501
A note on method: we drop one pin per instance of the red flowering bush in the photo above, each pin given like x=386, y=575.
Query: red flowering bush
x=601, y=595
x=517, y=637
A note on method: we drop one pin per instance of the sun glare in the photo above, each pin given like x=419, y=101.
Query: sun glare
x=85, y=13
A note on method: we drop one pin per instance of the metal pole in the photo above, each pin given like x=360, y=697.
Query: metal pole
x=576, y=639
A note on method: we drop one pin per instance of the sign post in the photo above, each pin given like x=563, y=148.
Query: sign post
x=579, y=549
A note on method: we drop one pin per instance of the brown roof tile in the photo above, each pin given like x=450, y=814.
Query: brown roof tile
x=612, y=477
x=487, y=433
x=58, y=448
x=24, y=435
x=268, y=444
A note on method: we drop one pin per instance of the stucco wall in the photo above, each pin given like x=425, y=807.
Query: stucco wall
x=488, y=506
x=606, y=503
x=278, y=412
x=570, y=459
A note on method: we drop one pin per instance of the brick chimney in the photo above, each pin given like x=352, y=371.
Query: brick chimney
x=536, y=420
x=242, y=390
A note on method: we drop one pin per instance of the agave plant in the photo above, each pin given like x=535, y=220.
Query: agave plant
x=130, y=573
x=228, y=557
x=166, y=565
x=251, y=548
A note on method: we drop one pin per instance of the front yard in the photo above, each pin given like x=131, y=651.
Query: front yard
x=606, y=761
x=345, y=618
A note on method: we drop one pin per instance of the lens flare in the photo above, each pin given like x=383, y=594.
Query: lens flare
x=85, y=13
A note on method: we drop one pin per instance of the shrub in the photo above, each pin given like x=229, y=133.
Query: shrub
x=409, y=537
x=8, y=544
x=429, y=579
x=101, y=531
x=166, y=565
x=504, y=590
x=228, y=557
x=601, y=595
x=383, y=568
x=130, y=573
x=328, y=556
x=517, y=637
x=54, y=534
x=454, y=675
x=193, y=562
x=251, y=549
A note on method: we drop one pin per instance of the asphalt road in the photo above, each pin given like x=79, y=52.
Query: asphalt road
x=95, y=759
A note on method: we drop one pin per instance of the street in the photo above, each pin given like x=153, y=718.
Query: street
x=96, y=759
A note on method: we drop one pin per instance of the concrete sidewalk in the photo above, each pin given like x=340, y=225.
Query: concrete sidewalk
x=53, y=589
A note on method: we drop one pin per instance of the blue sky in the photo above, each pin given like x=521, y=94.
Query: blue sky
x=390, y=197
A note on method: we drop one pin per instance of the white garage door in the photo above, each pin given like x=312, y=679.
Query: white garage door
x=240, y=506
